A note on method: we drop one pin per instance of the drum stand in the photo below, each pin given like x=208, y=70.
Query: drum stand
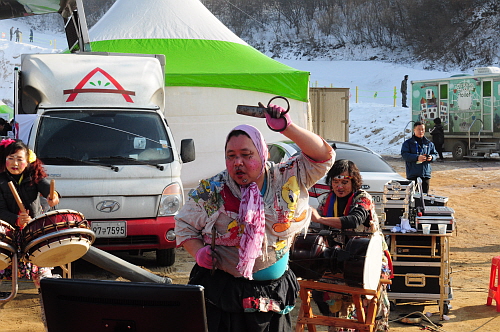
x=13, y=293
x=66, y=273
x=365, y=317
x=66, y=270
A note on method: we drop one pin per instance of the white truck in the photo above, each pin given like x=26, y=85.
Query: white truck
x=101, y=132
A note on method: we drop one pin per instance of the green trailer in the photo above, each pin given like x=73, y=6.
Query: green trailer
x=469, y=108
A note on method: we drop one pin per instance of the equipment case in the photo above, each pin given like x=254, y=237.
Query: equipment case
x=416, y=277
x=399, y=190
x=430, y=200
x=392, y=216
x=424, y=248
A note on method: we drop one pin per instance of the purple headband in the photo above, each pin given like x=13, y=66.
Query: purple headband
x=258, y=141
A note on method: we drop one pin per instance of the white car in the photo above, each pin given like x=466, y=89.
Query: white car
x=375, y=171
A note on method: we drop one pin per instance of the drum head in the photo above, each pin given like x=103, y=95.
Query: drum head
x=373, y=263
x=58, y=253
x=364, y=266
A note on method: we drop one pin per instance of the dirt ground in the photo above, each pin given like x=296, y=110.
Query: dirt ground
x=473, y=188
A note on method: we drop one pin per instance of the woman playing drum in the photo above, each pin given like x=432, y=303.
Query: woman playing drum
x=19, y=165
x=348, y=208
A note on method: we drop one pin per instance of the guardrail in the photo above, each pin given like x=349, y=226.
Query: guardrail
x=370, y=94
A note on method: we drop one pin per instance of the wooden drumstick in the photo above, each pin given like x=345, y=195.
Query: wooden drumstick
x=52, y=188
x=16, y=196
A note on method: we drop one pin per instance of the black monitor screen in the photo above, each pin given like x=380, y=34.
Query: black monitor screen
x=114, y=306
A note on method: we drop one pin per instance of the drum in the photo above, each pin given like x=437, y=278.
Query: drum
x=307, y=256
x=56, y=238
x=363, y=267
x=360, y=261
x=7, y=244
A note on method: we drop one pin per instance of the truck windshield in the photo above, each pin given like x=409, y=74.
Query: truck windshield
x=102, y=137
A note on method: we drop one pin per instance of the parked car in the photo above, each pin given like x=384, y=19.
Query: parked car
x=375, y=171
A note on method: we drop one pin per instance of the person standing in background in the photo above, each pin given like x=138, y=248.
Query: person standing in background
x=11, y=33
x=438, y=137
x=404, y=90
x=18, y=34
x=418, y=153
x=31, y=35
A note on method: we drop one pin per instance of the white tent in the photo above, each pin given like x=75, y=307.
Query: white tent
x=209, y=71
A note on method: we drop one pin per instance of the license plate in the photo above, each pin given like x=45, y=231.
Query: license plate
x=377, y=199
x=109, y=228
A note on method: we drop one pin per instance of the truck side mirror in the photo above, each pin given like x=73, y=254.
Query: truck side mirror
x=187, y=150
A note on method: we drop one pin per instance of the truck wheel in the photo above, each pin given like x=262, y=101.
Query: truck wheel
x=165, y=257
x=459, y=150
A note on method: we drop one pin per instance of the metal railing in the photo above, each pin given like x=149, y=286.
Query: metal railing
x=478, y=133
x=404, y=130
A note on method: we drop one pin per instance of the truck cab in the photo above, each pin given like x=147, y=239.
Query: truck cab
x=100, y=130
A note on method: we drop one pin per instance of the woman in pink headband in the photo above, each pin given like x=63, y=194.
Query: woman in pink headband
x=240, y=224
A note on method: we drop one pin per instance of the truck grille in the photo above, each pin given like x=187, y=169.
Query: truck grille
x=129, y=240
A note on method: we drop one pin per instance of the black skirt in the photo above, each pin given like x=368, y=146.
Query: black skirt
x=239, y=304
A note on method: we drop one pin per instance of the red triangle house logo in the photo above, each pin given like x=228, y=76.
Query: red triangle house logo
x=80, y=87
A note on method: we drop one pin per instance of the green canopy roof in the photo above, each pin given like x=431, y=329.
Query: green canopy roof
x=213, y=63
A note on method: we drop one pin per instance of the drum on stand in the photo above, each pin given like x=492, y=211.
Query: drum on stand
x=307, y=256
x=7, y=244
x=360, y=261
x=56, y=238
x=363, y=268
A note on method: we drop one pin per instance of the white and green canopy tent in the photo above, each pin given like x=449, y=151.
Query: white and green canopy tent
x=5, y=111
x=209, y=71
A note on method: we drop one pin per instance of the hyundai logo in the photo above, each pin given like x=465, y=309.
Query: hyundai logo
x=108, y=206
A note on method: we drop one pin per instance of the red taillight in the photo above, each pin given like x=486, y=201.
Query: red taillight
x=318, y=190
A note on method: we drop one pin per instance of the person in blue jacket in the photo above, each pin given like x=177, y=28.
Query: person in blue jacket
x=418, y=153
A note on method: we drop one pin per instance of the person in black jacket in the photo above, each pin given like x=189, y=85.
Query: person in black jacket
x=438, y=137
x=418, y=153
x=404, y=90
x=19, y=165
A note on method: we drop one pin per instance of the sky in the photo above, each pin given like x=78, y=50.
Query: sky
x=374, y=121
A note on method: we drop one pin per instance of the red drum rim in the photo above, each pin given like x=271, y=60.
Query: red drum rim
x=55, y=212
x=29, y=235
